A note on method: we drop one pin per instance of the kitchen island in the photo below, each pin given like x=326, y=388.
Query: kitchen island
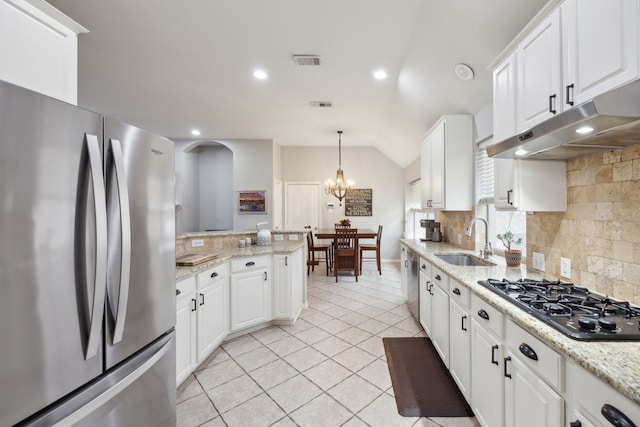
x=617, y=363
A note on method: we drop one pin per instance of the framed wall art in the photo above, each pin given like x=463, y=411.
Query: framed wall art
x=252, y=202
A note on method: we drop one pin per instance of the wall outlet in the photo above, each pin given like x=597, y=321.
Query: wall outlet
x=278, y=237
x=195, y=243
x=538, y=261
x=293, y=236
x=565, y=267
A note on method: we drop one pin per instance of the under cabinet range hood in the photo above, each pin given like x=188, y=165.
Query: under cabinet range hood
x=608, y=121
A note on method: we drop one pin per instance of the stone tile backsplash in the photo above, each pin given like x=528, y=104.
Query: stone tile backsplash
x=600, y=231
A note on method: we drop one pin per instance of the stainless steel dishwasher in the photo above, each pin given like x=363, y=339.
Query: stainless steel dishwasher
x=413, y=293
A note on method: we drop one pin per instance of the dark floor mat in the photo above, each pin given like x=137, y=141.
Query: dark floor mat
x=422, y=384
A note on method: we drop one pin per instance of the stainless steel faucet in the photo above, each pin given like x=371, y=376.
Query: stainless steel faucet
x=487, y=246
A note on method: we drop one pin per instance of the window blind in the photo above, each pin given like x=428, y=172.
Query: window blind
x=416, y=194
x=484, y=173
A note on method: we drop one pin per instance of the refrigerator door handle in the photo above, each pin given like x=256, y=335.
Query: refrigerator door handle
x=100, y=206
x=125, y=220
x=113, y=391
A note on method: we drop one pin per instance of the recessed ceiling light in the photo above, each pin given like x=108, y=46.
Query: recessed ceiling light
x=195, y=132
x=380, y=75
x=260, y=74
x=464, y=72
x=521, y=152
x=584, y=129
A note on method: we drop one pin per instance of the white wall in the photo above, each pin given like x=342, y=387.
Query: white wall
x=368, y=168
x=216, y=196
x=187, y=188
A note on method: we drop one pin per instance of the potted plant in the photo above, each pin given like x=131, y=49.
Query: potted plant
x=512, y=256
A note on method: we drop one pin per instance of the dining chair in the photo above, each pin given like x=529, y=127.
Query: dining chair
x=375, y=248
x=345, y=250
x=312, y=248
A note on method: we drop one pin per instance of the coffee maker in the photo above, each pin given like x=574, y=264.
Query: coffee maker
x=427, y=224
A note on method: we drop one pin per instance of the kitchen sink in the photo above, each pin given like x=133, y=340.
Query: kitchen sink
x=465, y=260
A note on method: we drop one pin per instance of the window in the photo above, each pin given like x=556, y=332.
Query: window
x=416, y=213
x=484, y=173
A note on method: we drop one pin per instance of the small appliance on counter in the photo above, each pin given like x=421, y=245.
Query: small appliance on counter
x=436, y=234
x=427, y=224
x=264, y=234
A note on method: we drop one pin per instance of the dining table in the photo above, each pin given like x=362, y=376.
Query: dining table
x=330, y=233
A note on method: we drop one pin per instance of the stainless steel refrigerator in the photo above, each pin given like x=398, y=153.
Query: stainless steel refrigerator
x=87, y=267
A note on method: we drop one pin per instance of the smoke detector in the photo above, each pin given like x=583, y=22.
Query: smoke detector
x=321, y=104
x=306, y=60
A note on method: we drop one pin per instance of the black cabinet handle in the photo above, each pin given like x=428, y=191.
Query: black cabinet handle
x=406, y=263
x=569, y=98
x=423, y=266
x=193, y=300
x=506, y=359
x=509, y=193
x=250, y=263
x=438, y=277
x=615, y=416
x=214, y=274
x=493, y=354
x=178, y=292
x=456, y=291
x=265, y=276
x=482, y=313
x=462, y=323
x=575, y=423
x=528, y=351
x=286, y=260
x=201, y=299
x=552, y=103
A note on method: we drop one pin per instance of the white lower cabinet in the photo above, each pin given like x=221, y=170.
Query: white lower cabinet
x=593, y=403
x=425, y=295
x=404, y=270
x=287, y=278
x=213, y=309
x=250, y=292
x=440, y=314
x=186, y=328
x=487, y=385
x=460, y=337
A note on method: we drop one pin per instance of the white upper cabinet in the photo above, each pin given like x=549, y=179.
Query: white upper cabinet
x=600, y=43
x=581, y=49
x=447, y=164
x=40, y=51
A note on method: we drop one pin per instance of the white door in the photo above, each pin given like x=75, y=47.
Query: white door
x=277, y=205
x=302, y=201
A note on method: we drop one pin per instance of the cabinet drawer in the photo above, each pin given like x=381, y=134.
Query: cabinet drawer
x=425, y=267
x=459, y=293
x=185, y=287
x=440, y=278
x=248, y=263
x=540, y=358
x=212, y=274
x=486, y=315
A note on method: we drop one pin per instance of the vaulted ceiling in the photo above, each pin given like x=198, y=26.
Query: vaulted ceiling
x=170, y=66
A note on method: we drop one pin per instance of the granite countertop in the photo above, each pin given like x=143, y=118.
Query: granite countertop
x=615, y=362
x=277, y=247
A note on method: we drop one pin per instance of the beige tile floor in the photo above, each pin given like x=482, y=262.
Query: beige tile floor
x=328, y=369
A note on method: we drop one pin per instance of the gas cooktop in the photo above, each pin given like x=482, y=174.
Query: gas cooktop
x=573, y=310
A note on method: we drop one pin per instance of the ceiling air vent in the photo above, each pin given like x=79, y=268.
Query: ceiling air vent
x=304, y=60
x=322, y=104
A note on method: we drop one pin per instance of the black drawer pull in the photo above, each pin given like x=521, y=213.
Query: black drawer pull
x=528, y=351
x=493, y=354
x=423, y=267
x=509, y=193
x=193, y=300
x=575, y=423
x=462, y=321
x=178, y=292
x=201, y=299
x=214, y=274
x=552, y=104
x=482, y=313
x=615, y=416
x=250, y=263
x=438, y=277
x=569, y=99
x=506, y=374
x=456, y=291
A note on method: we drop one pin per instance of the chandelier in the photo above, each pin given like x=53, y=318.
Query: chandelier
x=339, y=186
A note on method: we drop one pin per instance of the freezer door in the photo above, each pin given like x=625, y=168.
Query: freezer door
x=140, y=392
x=48, y=250
x=139, y=168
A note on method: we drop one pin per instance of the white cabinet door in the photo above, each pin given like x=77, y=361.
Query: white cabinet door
x=425, y=172
x=503, y=184
x=529, y=402
x=281, y=287
x=250, y=298
x=404, y=270
x=600, y=43
x=487, y=386
x=504, y=99
x=460, y=348
x=440, y=322
x=425, y=302
x=539, y=96
x=437, y=176
x=213, y=316
x=185, y=337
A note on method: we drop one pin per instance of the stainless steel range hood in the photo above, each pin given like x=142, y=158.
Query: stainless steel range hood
x=614, y=117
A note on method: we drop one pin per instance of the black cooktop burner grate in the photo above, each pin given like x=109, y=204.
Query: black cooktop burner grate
x=571, y=309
